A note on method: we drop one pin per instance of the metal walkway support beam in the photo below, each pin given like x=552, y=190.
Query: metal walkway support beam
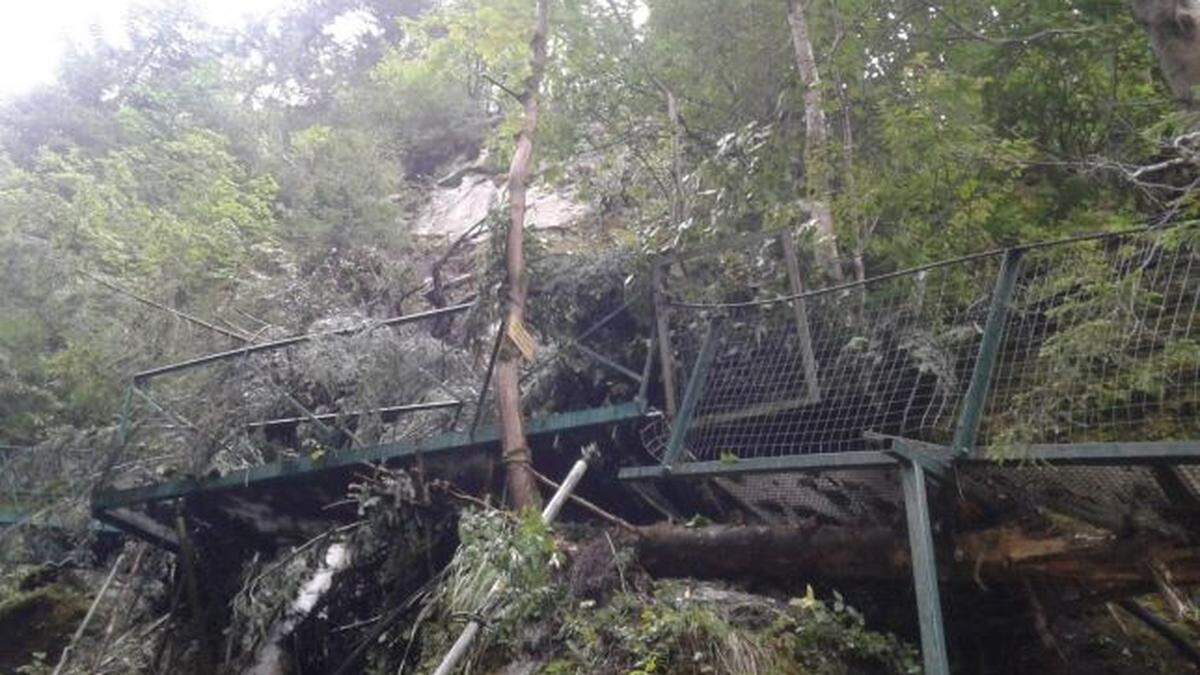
x=989, y=348
x=691, y=397
x=924, y=568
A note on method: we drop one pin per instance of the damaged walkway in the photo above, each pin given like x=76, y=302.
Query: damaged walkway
x=287, y=499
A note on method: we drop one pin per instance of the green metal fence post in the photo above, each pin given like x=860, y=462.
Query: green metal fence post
x=644, y=386
x=924, y=569
x=989, y=348
x=691, y=396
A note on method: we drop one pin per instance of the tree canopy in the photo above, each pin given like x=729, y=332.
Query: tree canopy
x=277, y=169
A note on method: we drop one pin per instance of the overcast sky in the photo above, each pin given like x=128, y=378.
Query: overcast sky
x=33, y=32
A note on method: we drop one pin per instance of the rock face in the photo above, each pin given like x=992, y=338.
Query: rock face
x=1174, y=30
x=452, y=210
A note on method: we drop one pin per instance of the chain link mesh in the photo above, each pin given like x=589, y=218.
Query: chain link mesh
x=1098, y=344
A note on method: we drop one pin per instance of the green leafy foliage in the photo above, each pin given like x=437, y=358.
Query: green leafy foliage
x=678, y=628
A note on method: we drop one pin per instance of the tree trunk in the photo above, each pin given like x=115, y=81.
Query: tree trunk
x=678, y=204
x=522, y=488
x=1105, y=564
x=1174, y=30
x=816, y=142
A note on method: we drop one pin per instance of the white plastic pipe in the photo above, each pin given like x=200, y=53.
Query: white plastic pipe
x=463, y=643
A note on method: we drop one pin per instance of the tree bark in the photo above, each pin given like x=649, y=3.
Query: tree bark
x=1010, y=554
x=1174, y=30
x=522, y=488
x=816, y=142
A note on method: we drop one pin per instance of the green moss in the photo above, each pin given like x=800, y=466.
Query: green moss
x=38, y=621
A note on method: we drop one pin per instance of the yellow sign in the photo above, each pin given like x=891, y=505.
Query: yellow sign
x=521, y=339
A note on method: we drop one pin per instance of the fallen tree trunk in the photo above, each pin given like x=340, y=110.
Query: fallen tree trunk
x=1096, y=560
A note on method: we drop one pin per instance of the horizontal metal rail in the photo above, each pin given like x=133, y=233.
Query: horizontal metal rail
x=1069, y=454
x=395, y=409
x=291, y=468
x=912, y=270
x=288, y=342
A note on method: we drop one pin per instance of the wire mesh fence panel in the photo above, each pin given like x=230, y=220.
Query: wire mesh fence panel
x=1090, y=493
x=863, y=496
x=1096, y=343
x=814, y=374
x=320, y=395
x=1100, y=344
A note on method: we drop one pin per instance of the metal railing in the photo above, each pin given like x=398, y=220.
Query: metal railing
x=309, y=394
x=1089, y=339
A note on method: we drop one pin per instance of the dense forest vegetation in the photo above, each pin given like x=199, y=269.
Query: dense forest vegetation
x=191, y=188
x=277, y=170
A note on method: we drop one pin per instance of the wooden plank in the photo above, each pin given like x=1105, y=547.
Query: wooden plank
x=1096, y=454
x=865, y=459
x=18, y=515
x=140, y=525
x=605, y=361
x=1177, y=488
x=395, y=409
x=644, y=386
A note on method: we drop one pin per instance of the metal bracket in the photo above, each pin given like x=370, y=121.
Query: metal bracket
x=936, y=467
x=935, y=459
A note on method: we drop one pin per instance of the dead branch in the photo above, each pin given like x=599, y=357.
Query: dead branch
x=1163, y=629
x=1047, y=33
x=87, y=618
x=615, y=520
x=170, y=310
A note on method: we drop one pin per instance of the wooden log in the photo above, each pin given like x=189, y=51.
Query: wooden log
x=1004, y=555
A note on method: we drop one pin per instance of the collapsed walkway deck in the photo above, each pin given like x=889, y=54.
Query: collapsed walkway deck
x=289, y=498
